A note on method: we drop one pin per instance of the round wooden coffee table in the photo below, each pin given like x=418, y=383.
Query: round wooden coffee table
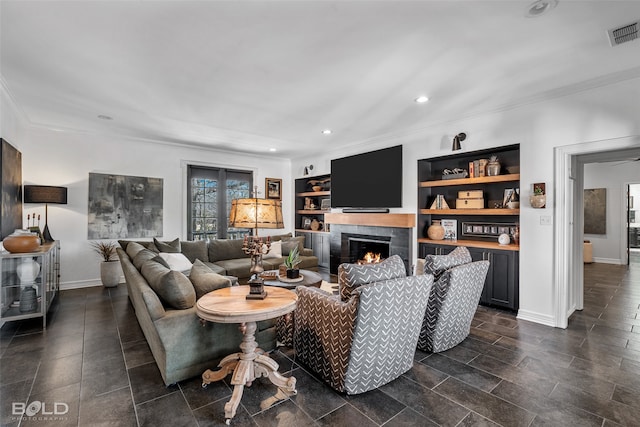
x=229, y=305
x=309, y=278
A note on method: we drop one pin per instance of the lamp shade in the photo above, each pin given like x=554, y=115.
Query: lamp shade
x=45, y=194
x=256, y=213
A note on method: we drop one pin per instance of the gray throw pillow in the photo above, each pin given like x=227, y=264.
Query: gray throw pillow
x=205, y=280
x=133, y=248
x=173, y=287
x=438, y=264
x=351, y=276
x=289, y=243
x=143, y=256
x=195, y=250
x=170, y=247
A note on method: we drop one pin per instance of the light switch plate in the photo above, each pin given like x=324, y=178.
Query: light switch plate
x=545, y=219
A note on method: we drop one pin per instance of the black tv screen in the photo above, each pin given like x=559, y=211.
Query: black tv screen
x=368, y=180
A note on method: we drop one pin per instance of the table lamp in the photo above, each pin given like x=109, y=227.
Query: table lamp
x=45, y=194
x=256, y=213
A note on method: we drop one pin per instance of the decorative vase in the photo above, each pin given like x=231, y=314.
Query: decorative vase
x=110, y=273
x=27, y=271
x=435, y=230
x=516, y=235
x=28, y=299
x=493, y=168
x=538, y=201
x=293, y=273
x=21, y=243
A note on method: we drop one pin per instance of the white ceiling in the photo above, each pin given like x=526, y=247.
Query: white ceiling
x=252, y=75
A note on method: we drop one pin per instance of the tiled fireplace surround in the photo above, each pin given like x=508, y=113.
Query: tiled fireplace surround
x=394, y=229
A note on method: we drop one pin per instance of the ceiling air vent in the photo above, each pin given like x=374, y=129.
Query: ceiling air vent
x=623, y=34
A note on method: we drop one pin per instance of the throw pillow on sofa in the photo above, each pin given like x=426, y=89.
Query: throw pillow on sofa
x=205, y=280
x=146, y=255
x=275, y=251
x=289, y=243
x=175, y=261
x=169, y=247
x=173, y=287
x=194, y=250
x=438, y=264
x=352, y=276
x=132, y=249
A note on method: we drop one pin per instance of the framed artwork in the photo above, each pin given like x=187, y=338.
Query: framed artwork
x=325, y=204
x=273, y=188
x=508, y=192
x=11, y=184
x=306, y=222
x=595, y=211
x=123, y=206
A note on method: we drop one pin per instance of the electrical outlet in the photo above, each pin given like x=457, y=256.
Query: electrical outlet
x=545, y=219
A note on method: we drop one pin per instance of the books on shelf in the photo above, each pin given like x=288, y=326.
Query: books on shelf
x=450, y=229
x=439, y=203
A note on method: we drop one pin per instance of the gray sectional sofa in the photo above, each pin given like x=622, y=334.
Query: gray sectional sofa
x=181, y=346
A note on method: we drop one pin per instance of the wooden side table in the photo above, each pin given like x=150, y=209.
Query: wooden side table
x=229, y=305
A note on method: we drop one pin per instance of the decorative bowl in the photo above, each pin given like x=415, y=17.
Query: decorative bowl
x=21, y=243
x=317, y=188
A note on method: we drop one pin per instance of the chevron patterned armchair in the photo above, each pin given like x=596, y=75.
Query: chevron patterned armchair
x=453, y=299
x=368, y=339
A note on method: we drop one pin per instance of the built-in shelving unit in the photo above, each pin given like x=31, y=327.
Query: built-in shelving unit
x=309, y=214
x=475, y=228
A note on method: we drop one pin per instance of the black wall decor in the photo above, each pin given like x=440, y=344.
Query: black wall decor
x=11, y=183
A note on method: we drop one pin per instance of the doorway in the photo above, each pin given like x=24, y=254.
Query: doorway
x=633, y=221
x=569, y=164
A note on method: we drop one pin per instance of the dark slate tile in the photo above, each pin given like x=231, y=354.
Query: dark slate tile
x=315, y=397
x=485, y=404
x=549, y=411
x=285, y=413
x=410, y=418
x=68, y=416
x=25, y=344
x=424, y=401
x=609, y=373
x=627, y=396
x=155, y=412
x=535, y=352
x=19, y=367
x=510, y=356
x=476, y=420
x=425, y=375
x=346, y=415
x=466, y=373
x=16, y=392
x=376, y=405
x=114, y=408
x=102, y=376
x=212, y=415
x=460, y=353
x=57, y=373
x=604, y=407
x=514, y=374
x=261, y=395
x=512, y=333
x=137, y=353
x=483, y=335
x=198, y=397
x=146, y=383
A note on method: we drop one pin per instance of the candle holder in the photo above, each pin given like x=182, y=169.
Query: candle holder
x=256, y=247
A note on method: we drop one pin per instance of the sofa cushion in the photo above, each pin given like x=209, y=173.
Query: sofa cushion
x=351, y=276
x=215, y=268
x=142, y=256
x=173, y=287
x=438, y=264
x=170, y=247
x=275, y=251
x=177, y=262
x=289, y=243
x=205, y=280
x=280, y=237
x=195, y=250
x=145, y=244
x=226, y=249
x=132, y=249
x=238, y=267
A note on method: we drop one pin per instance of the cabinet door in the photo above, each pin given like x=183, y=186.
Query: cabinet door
x=503, y=279
x=320, y=248
x=478, y=254
x=430, y=249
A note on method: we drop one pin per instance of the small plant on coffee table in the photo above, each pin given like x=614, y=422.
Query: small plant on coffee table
x=291, y=262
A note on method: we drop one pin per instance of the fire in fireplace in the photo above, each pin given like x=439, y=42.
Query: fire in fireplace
x=368, y=249
x=370, y=258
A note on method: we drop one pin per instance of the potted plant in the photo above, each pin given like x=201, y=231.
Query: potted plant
x=109, y=267
x=538, y=199
x=291, y=262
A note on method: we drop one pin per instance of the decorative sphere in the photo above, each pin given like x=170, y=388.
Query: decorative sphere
x=435, y=231
x=504, y=239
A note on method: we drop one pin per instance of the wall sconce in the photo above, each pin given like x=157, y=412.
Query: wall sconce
x=538, y=199
x=307, y=169
x=457, y=140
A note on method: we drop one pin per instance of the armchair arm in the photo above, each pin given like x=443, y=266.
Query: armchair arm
x=323, y=334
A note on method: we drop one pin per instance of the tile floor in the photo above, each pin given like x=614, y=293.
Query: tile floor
x=94, y=359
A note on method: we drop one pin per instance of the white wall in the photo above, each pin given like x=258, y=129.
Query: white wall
x=591, y=115
x=66, y=159
x=607, y=248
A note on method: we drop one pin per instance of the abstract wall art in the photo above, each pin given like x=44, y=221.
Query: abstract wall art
x=595, y=211
x=11, y=184
x=122, y=206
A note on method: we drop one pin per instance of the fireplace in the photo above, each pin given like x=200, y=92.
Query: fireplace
x=351, y=234
x=360, y=245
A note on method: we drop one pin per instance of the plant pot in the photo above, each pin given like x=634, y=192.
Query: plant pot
x=538, y=201
x=435, y=230
x=493, y=168
x=110, y=273
x=293, y=273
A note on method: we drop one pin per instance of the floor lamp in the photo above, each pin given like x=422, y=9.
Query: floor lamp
x=45, y=194
x=256, y=213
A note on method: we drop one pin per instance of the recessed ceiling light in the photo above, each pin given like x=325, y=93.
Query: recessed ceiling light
x=326, y=132
x=272, y=149
x=540, y=7
x=103, y=117
x=421, y=99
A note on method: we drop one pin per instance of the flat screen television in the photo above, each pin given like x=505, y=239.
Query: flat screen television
x=370, y=180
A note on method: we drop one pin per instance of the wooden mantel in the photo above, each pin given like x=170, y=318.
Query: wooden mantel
x=400, y=220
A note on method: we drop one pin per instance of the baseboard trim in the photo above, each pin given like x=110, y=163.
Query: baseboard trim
x=532, y=316
x=608, y=261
